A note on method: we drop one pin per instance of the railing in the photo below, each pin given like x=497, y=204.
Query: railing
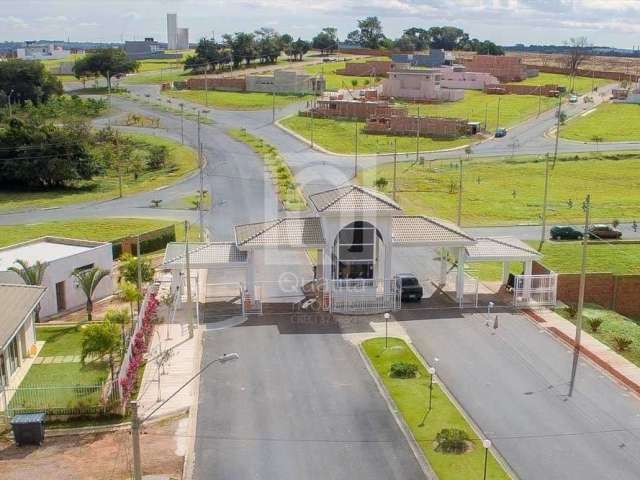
x=533, y=291
x=60, y=399
x=364, y=296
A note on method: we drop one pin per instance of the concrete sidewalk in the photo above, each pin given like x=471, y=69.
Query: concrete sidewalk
x=615, y=364
x=165, y=373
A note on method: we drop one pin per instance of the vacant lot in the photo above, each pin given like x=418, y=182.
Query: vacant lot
x=181, y=161
x=505, y=190
x=478, y=106
x=336, y=82
x=339, y=136
x=88, y=229
x=580, y=84
x=411, y=397
x=610, y=122
x=235, y=100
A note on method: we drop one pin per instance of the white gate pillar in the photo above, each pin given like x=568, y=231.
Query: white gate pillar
x=250, y=287
x=506, y=267
x=528, y=268
x=460, y=274
x=444, y=266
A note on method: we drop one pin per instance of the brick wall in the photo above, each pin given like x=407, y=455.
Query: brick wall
x=510, y=88
x=626, y=298
x=355, y=109
x=367, y=51
x=505, y=69
x=429, y=126
x=225, y=83
x=617, y=76
x=378, y=68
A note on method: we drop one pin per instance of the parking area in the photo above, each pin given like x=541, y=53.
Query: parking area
x=513, y=382
x=299, y=403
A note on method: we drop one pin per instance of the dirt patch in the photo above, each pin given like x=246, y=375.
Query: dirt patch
x=94, y=456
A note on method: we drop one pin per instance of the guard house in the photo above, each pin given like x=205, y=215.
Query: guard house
x=354, y=232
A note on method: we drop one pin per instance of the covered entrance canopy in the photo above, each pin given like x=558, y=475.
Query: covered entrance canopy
x=505, y=250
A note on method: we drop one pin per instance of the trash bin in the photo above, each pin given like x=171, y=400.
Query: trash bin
x=28, y=429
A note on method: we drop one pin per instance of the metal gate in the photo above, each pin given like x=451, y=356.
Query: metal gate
x=534, y=291
x=222, y=301
x=364, y=296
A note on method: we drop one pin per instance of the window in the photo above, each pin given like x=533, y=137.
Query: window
x=85, y=267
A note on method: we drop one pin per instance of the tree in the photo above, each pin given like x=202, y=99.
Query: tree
x=100, y=339
x=129, y=269
x=118, y=317
x=208, y=53
x=88, y=280
x=577, y=54
x=326, y=41
x=299, y=48
x=45, y=155
x=241, y=47
x=354, y=37
x=268, y=45
x=405, y=44
x=129, y=293
x=106, y=62
x=26, y=80
x=419, y=37
x=446, y=38
x=371, y=35
x=30, y=275
x=381, y=183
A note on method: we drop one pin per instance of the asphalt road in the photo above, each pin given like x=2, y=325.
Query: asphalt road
x=513, y=382
x=298, y=404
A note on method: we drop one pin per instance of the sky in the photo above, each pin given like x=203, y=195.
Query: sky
x=604, y=22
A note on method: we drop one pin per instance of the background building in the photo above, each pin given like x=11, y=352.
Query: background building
x=41, y=51
x=172, y=30
x=182, y=39
x=147, y=49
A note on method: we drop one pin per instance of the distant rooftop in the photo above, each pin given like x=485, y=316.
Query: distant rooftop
x=44, y=249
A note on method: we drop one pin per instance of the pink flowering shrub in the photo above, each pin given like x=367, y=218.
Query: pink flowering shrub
x=140, y=343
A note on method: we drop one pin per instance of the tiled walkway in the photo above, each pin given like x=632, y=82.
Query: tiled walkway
x=61, y=359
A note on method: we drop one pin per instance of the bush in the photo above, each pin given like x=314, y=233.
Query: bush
x=594, y=324
x=381, y=183
x=452, y=440
x=403, y=370
x=621, y=343
x=572, y=311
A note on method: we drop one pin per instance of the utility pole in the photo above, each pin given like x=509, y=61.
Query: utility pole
x=418, y=135
x=312, y=107
x=201, y=199
x=109, y=86
x=486, y=116
x=182, y=123
x=188, y=265
x=206, y=86
x=118, y=165
x=545, y=200
x=459, y=223
x=355, y=167
x=539, y=100
x=273, y=104
x=395, y=167
x=498, y=117
x=583, y=278
x=135, y=439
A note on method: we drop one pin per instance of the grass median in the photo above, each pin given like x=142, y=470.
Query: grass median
x=411, y=397
x=283, y=179
x=609, y=122
x=235, y=100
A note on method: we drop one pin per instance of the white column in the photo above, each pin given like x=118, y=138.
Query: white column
x=388, y=251
x=460, y=274
x=444, y=266
x=506, y=267
x=319, y=263
x=250, y=287
x=527, y=283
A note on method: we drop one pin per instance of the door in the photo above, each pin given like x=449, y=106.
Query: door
x=60, y=296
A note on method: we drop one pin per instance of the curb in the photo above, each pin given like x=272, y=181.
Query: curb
x=595, y=359
x=413, y=444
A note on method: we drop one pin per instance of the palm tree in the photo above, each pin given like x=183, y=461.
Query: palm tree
x=88, y=281
x=31, y=275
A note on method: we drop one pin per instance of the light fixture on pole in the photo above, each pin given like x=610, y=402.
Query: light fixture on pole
x=432, y=372
x=490, y=305
x=486, y=443
x=386, y=330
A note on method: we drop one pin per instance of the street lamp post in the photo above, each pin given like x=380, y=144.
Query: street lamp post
x=136, y=423
x=486, y=443
x=432, y=372
x=386, y=330
x=182, y=123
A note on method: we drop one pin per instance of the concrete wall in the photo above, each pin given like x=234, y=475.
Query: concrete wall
x=284, y=81
x=421, y=86
x=361, y=110
x=428, y=126
x=465, y=80
x=515, y=89
x=617, y=76
x=214, y=83
x=615, y=292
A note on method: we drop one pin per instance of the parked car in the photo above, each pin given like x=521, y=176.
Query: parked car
x=573, y=99
x=410, y=288
x=501, y=132
x=596, y=232
x=563, y=232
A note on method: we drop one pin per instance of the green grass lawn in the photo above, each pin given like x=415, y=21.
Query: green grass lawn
x=617, y=258
x=411, y=398
x=235, y=100
x=59, y=340
x=514, y=109
x=286, y=187
x=581, y=84
x=610, y=122
x=335, y=81
x=104, y=229
x=613, y=325
x=182, y=158
x=75, y=373
x=505, y=190
x=338, y=136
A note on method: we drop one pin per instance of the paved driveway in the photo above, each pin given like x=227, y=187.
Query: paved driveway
x=298, y=404
x=513, y=382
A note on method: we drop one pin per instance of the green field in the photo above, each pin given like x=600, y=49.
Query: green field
x=288, y=192
x=609, y=122
x=514, y=109
x=235, y=100
x=182, y=158
x=411, y=397
x=338, y=136
x=59, y=340
x=581, y=84
x=88, y=229
x=506, y=191
x=335, y=81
